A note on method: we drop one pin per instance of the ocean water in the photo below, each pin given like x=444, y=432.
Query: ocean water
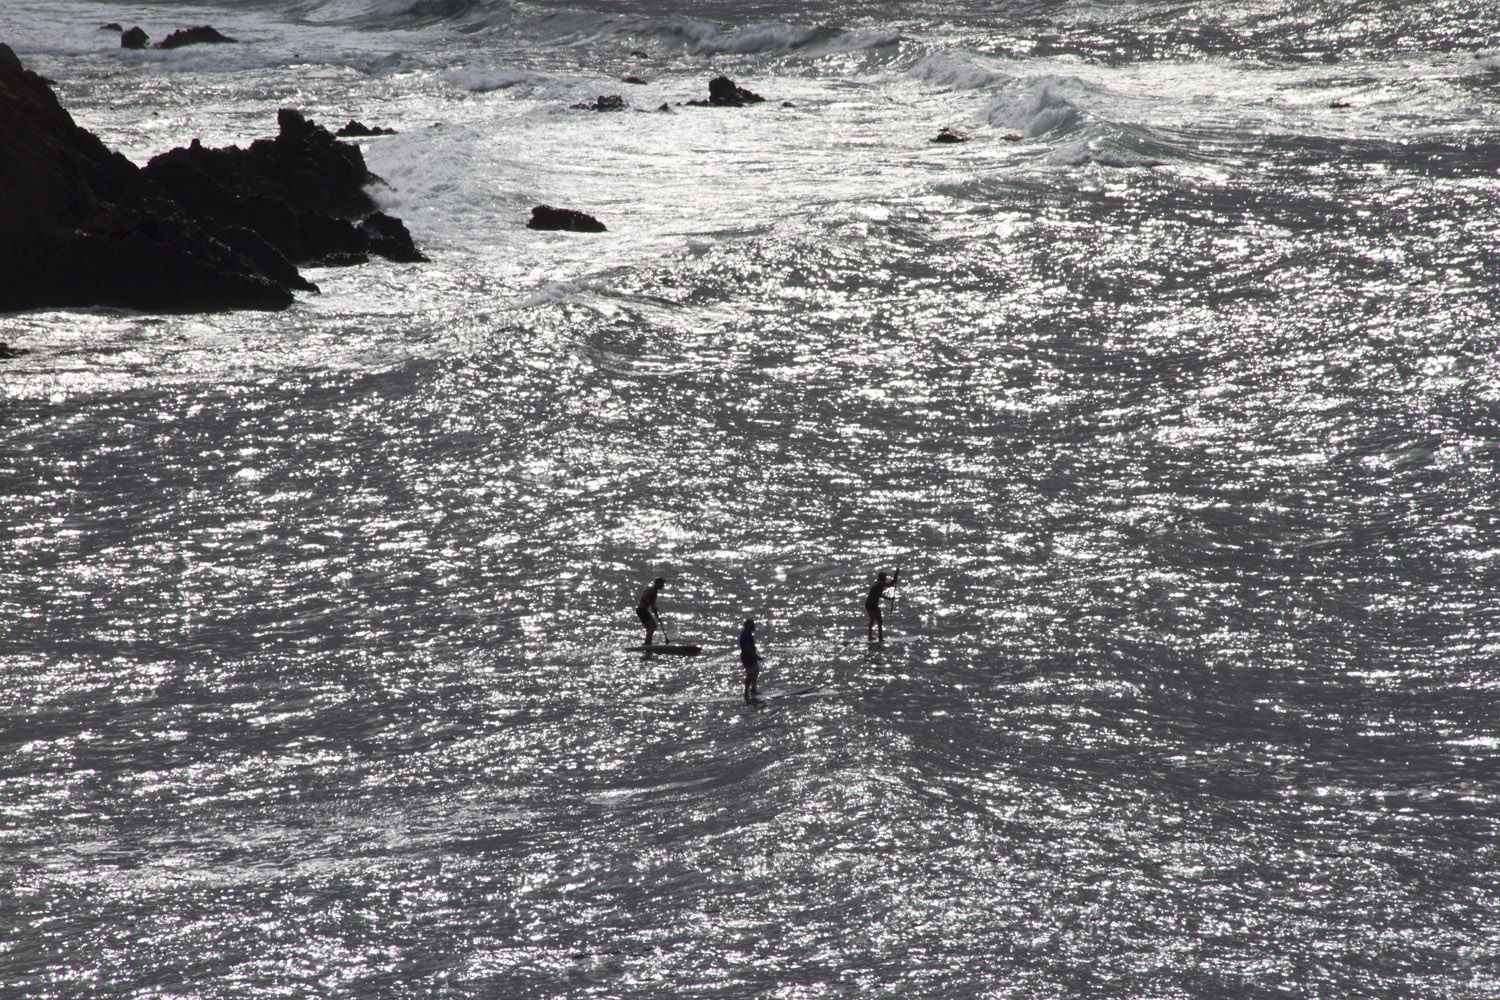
x=1173, y=394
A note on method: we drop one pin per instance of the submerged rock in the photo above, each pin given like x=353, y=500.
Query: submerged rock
x=725, y=93
x=82, y=226
x=199, y=35
x=949, y=135
x=359, y=130
x=112, y=26
x=7, y=352
x=633, y=79
x=610, y=102
x=547, y=217
x=135, y=38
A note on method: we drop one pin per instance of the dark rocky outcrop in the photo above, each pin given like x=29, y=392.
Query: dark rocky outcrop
x=633, y=79
x=389, y=238
x=7, y=352
x=199, y=35
x=547, y=217
x=112, y=26
x=298, y=192
x=609, y=102
x=82, y=226
x=949, y=135
x=196, y=230
x=725, y=93
x=359, y=130
x=135, y=38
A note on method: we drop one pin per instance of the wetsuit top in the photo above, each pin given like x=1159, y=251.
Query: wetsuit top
x=877, y=592
x=748, y=652
x=648, y=600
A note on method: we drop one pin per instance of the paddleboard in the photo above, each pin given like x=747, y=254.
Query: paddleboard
x=792, y=693
x=890, y=640
x=670, y=649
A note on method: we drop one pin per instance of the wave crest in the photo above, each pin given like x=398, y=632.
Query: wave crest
x=1039, y=106
x=957, y=71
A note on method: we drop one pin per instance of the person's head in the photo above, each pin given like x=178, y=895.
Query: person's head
x=658, y=583
x=750, y=624
x=881, y=576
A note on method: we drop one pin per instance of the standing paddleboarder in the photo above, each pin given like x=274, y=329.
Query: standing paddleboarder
x=646, y=609
x=750, y=658
x=876, y=627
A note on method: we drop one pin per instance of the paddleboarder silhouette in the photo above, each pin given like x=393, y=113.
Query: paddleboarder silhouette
x=646, y=611
x=750, y=659
x=876, y=627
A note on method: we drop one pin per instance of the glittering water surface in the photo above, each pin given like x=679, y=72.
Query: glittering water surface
x=1179, y=411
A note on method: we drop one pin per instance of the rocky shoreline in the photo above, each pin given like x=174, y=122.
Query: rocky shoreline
x=195, y=230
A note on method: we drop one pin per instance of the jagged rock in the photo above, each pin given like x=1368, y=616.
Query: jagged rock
x=300, y=192
x=358, y=130
x=389, y=238
x=665, y=107
x=724, y=93
x=1012, y=137
x=200, y=35
x=640, y=53
x=135, y=38
x=547, y=217
x=949, y=135
x=611, y=102
x=82, y=226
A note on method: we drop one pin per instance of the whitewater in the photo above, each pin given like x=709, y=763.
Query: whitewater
x=1173, y=393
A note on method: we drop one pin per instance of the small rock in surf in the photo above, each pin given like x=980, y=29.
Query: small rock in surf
x=570, y=220
x=725, y=93
x=358, y=130
x=606, y=102
x=199, y=35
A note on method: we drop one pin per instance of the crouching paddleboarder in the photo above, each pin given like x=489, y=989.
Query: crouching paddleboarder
x=750, y=659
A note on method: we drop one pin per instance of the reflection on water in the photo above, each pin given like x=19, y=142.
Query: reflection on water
x=312, y=625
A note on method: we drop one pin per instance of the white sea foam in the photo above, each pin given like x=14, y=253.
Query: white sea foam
x=484, y=81
x=957, y=70
x=1039, y=105
x=761, y=38
x=1095, y=150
